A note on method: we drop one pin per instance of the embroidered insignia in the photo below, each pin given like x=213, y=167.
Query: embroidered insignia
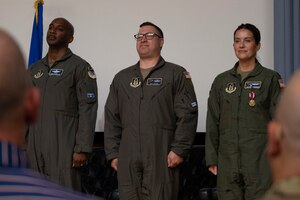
x=252, y=84
x=91, y=73
x=154, y=81
x=56, y=72
x=39, y=74
x=90, y=95
x=231, y=87
x=135, y=82
x=194, y=104
x=187, y=75
x=281, y=83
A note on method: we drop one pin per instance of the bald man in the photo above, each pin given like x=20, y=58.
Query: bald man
x=284, y=144
x=62, y=138
x=16, y=100
x=19, y=104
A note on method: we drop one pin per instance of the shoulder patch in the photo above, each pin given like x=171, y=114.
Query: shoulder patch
x=90, y=95
x=91, y=73
x=187, y=75
x=194, y=104
x=281, y=83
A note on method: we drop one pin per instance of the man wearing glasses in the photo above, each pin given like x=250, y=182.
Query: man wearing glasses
x=150, y=121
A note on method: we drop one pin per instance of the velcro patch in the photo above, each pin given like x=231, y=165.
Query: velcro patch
x=90, y=95
x=135, y=82
x=56, y=72
x=252, y=84
x=187, y=75
x=231, y=87
x=39, y=74
x=154, y=81
x=91, y=73
x=194, y=104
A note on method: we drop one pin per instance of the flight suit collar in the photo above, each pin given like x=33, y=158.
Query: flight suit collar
x=257, y=70
x=159, y=64
x=68, y=54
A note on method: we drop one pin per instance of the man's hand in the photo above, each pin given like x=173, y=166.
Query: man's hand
x=114, y=164
x=213, y=169
x=79, y=159
x=174, y=160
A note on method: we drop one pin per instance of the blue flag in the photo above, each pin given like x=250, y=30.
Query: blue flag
x=36, y=45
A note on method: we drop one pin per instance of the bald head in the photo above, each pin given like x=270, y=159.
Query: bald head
x=12, y=74
x=69, y=26
x=288, y=112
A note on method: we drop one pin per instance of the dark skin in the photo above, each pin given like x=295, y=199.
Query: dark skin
x=59, y=36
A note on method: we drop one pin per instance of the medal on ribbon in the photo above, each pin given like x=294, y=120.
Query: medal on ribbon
x=251, y=97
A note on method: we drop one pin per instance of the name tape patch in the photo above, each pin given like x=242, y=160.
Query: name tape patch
x=56, y=72
x=154, y=81
x=252, y=84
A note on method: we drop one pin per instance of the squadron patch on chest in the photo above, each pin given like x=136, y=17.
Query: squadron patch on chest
x=154, y=81
x=252, y=84
x=135, y=82
x=56, y=72
x=231, y=87
x=39, y=74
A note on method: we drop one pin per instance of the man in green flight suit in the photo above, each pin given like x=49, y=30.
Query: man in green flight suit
x=240, y=105
x=150, y=121
x=59, y=142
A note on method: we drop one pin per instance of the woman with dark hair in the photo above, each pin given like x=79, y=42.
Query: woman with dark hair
x=240, y=104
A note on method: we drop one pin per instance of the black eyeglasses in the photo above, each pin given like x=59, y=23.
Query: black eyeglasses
x=149, y=36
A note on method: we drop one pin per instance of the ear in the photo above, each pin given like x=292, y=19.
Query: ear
x=274, y=139
x=258, y=47
x=32, y=104
x=161, y=42
x=71, y=39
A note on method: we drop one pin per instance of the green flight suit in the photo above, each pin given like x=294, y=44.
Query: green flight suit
x=67, y=117
x=236, y=131
x=144, y=121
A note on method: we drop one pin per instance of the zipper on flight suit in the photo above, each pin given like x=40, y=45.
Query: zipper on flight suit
x=41, y=124
x=242, y=84
x=140, y=100
x=238, y=121
x=45, y=92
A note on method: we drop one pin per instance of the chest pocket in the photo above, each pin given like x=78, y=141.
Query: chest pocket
x=60, y=77
x=229, y=100
x=155, y=91
x=260, y=95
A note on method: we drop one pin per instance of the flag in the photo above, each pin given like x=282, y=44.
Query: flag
x=36, y=45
